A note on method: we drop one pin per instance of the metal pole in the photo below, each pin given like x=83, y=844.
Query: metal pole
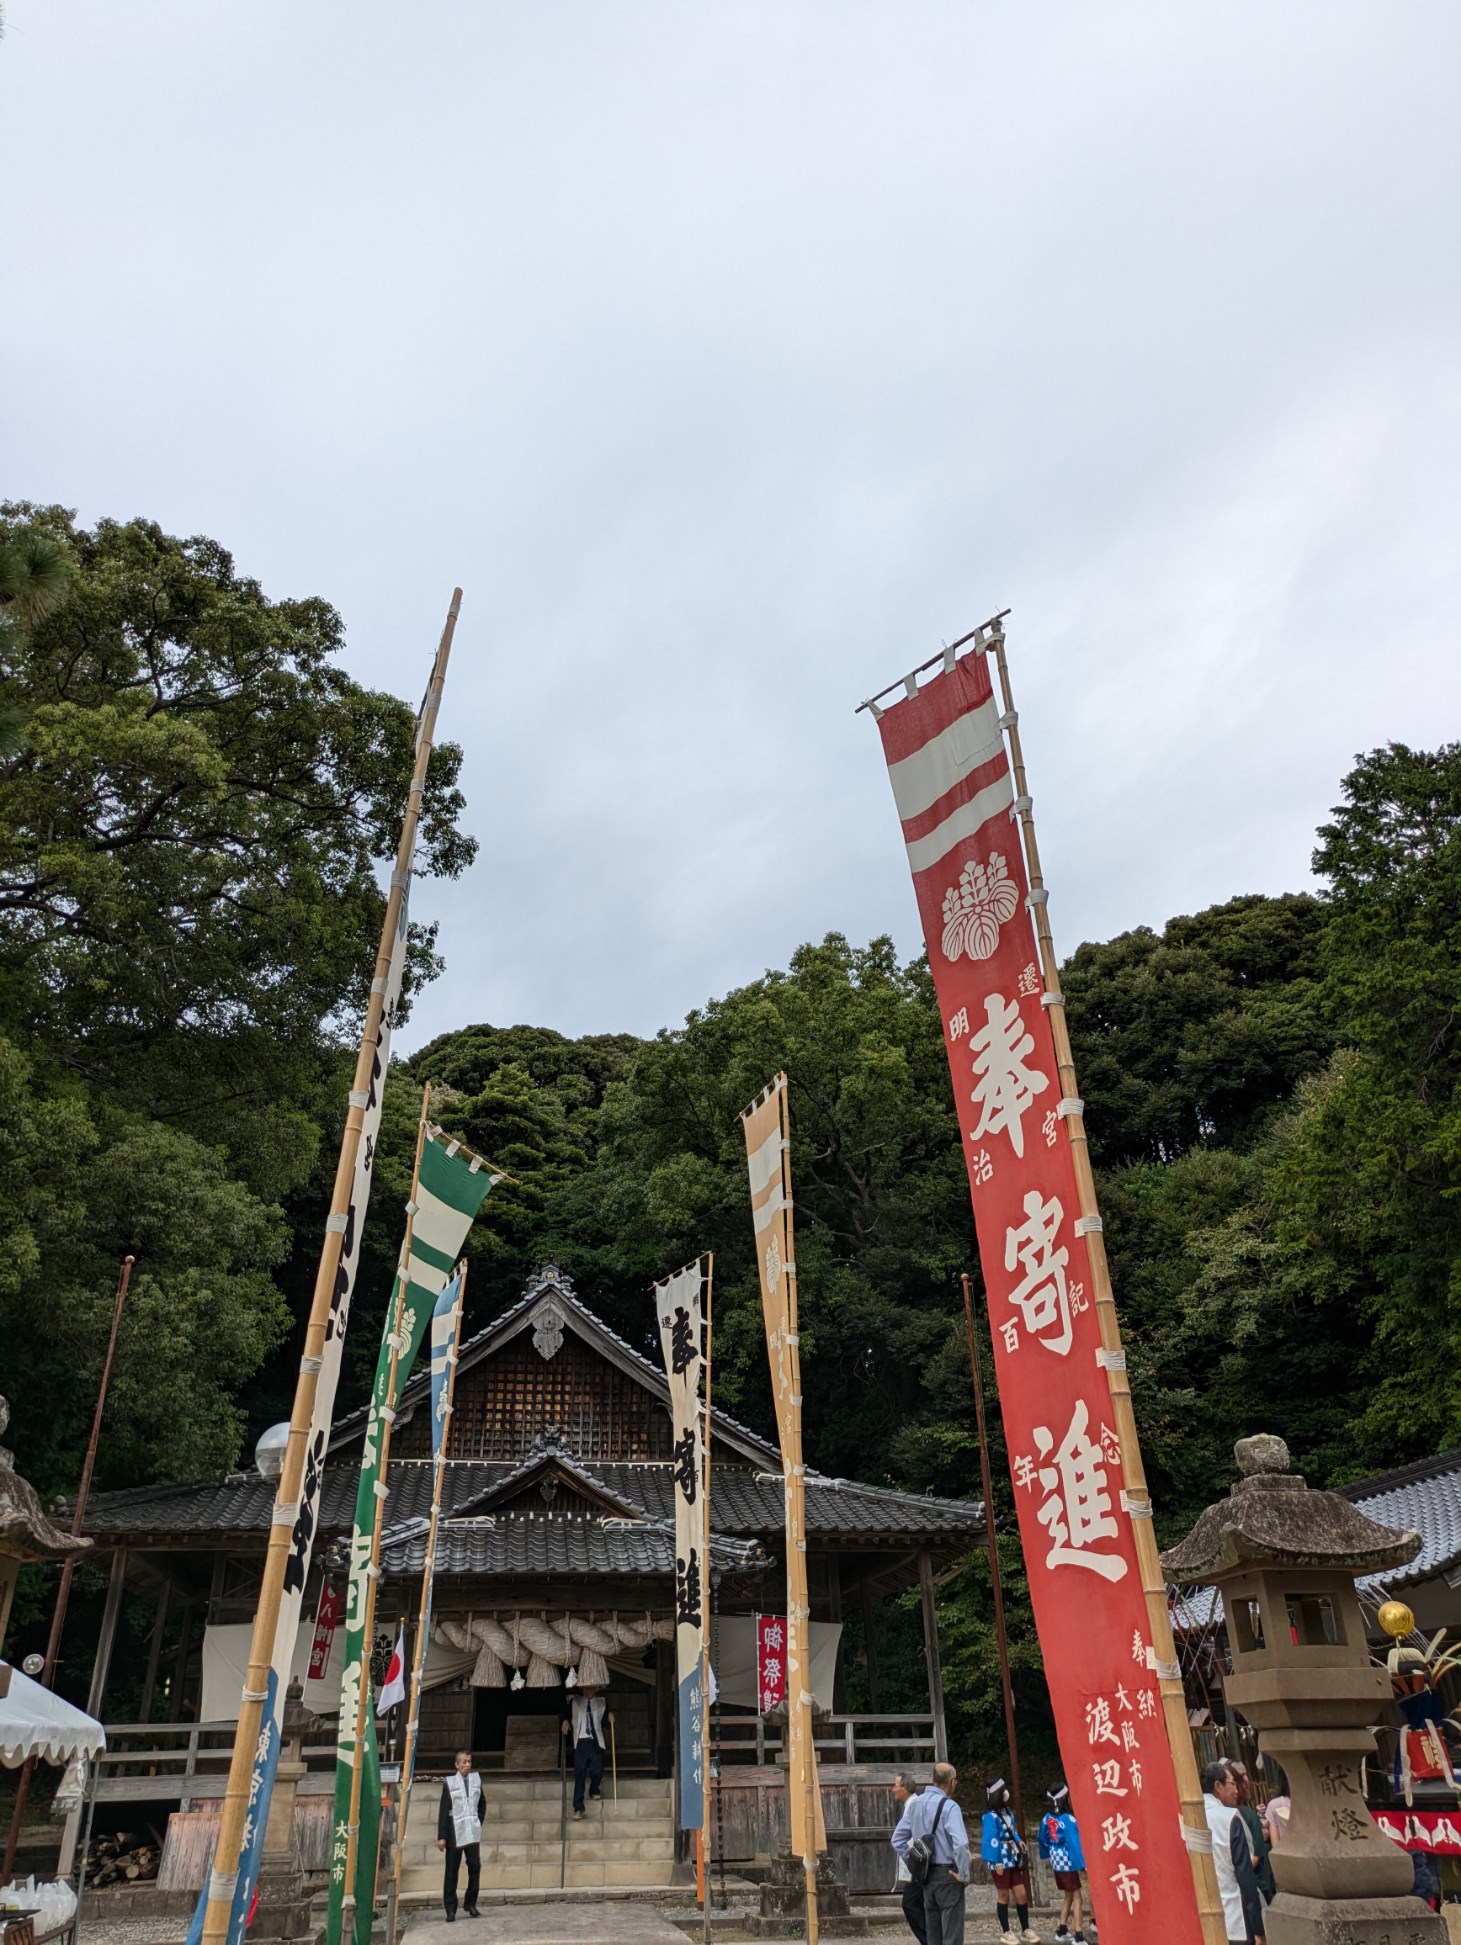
x=63, y=1592
x=224, y=1877
x=999, y=1628
x=1113, y=1357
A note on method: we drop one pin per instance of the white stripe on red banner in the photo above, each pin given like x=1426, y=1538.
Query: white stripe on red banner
x=945, y=760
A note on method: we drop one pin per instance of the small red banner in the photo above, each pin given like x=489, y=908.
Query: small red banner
x=770, y=1662
x=951, y=779
x=326, y=1617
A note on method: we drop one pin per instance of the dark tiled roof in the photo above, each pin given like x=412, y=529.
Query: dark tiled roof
x=547, y=1543
x=742, y=1502
x=1425, y=1495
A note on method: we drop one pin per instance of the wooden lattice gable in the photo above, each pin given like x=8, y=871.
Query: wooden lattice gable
x=550, y=1367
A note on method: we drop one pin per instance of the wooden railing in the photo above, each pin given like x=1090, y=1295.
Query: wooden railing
x=174, y=1754
x=878, y=1738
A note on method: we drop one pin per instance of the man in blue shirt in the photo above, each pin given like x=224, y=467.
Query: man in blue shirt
x=934, y=1816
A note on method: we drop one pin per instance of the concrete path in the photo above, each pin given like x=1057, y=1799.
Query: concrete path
x=578, y=1923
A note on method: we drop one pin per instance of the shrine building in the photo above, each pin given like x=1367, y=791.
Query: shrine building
x=557, y=1507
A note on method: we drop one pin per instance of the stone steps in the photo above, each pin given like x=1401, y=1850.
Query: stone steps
x=628, y=1842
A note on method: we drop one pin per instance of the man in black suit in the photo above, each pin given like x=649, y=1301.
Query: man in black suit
x=459, y=1833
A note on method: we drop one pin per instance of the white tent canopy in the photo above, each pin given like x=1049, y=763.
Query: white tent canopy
x=34, y=1722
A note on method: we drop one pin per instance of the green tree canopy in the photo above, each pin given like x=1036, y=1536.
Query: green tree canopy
x=194, y=803
x=190, y=828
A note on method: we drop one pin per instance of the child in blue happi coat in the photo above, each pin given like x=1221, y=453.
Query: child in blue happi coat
x=1004, y=1851
x=1060, y=1846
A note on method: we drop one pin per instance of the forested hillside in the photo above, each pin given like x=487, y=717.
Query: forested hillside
x=194, y=805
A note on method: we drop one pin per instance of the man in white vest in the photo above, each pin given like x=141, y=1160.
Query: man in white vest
x=459, y=1833
x=587, y=1721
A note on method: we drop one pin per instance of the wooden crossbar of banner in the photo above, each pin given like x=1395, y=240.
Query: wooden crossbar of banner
x=984, y=634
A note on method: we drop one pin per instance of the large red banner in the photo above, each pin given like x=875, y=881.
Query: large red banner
x=951, y=779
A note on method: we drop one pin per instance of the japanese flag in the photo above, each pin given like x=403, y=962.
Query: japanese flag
x=393, y=1689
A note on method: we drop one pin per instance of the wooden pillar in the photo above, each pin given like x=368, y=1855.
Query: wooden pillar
x=154, y=1651
x=101, y=1667
x=215, y=1592
x=180, y=1665
x=834, y=1613
x=931, y=1656
x=870, y=1647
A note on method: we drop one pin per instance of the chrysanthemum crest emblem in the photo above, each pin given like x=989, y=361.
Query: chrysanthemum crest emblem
x=977, y=907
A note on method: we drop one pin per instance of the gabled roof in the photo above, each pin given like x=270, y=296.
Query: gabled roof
x=549, y=1298
x=1425, y=1495
x=550, y=1543
x=552, y=1458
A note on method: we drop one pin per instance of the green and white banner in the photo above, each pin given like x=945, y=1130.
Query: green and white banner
x=451, y=1186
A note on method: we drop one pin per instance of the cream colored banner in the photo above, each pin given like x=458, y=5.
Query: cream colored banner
x=768, y=1157
x=680, y=1304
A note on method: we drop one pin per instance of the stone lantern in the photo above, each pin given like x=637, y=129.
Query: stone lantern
x=1285, y=1560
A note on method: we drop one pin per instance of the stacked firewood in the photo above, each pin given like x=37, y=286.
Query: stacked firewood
x=123, y=1859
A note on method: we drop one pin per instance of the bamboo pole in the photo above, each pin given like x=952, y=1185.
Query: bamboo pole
x=68, y=1568
x=372, y=1576
x=796, y=1532
x=428, y=1570
x=705, y=1611
x=1137, y=1497
x=1001, y=1634
x=224, y=1876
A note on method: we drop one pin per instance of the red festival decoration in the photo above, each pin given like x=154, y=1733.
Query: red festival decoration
x=770, y=1662
x=325, y=1618
x=1436, y=1831
x=952, y=782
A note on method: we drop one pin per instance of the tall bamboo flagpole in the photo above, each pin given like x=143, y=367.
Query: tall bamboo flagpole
x=448, y=1188
x=1136, y=1496
x=456, y=1290
x=767, y=1127
x=291, y=1534
x=362, y=1704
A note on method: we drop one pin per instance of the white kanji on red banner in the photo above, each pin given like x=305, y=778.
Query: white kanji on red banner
x=1006, y=1085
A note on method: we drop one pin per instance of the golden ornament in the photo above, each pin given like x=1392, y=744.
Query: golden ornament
x=1396, y=1618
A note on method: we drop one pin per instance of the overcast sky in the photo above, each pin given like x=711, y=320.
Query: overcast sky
x=733, y=357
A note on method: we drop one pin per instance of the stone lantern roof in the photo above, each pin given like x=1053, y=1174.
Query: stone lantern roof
x=1272, y=1518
